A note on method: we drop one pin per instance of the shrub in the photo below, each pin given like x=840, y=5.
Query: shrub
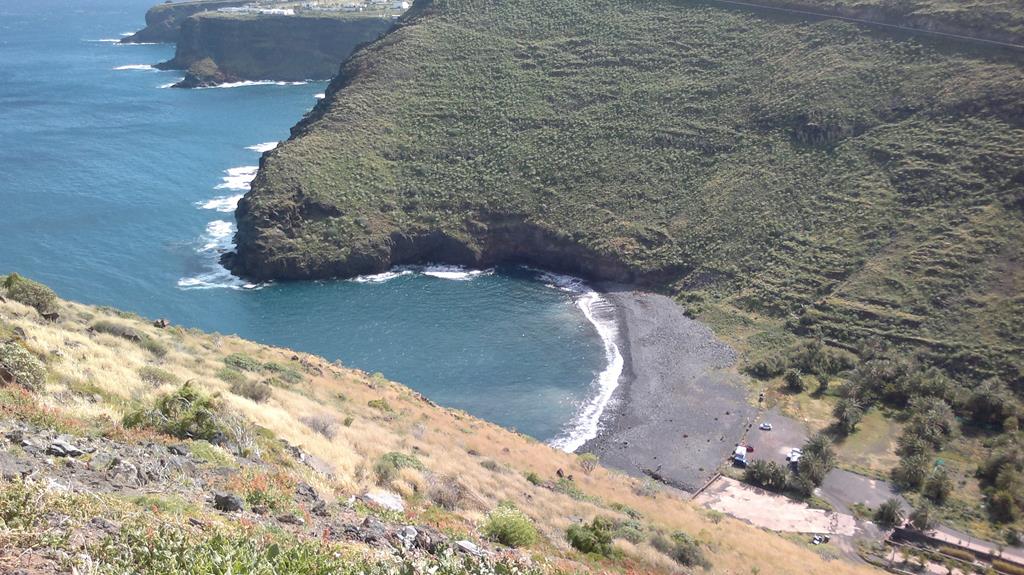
x=286, y=372
x=681, y=547
x=231, y=375
x=848, y=413
x=491, y=465
x=380, y=404
x=1006, y=567
x=794, y=381
x=186, y=414
x=767, y=474
x=26, y=368
x=588, y=462
x=626, y=510
x=258, y=392
x=156, y=376
x=922, y=518
x=387, y=467
x=446, y=491
x=30, y=293
x=768, y=367
x=911, y=471
x=632, y=531
x=594, y=537
x=243, y=362
x=889, y=514
x=116, y=329
x=938, y=486
x=323, y=424
x=348, y=421
x=262, y=488
x=533, y=478
x=153, y=346
x=958, y=553
x=509, y=526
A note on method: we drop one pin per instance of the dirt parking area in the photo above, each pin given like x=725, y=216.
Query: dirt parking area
x=771, y=511
x=773, y=445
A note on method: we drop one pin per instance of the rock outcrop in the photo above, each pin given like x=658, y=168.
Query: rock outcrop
x=217, y=47
x=163, y=21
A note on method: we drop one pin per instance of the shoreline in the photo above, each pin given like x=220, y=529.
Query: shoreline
x=678, y=410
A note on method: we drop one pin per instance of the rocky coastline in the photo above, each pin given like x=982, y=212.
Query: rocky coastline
x=215, y=48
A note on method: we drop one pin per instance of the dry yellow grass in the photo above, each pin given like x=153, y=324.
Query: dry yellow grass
x=448, y=442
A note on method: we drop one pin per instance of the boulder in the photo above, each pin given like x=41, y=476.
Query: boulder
x=469, y=548
x=385, y=500
x=161, y=323
x=63, y=448
x=227, y=502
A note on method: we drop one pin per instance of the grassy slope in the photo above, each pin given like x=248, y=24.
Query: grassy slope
x=92, y=375
x=869, y=184
x=994, y=19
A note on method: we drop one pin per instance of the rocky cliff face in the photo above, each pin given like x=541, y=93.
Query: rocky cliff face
x=217, y=47
x=163, y=22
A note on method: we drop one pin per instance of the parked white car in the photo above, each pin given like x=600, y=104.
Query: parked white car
x=765, y=426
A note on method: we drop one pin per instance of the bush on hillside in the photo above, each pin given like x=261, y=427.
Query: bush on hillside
x=387, y=467
x=157, y=377
x=187, y=414
x=446, y=491
x=325, y=425
x=243, y=362
x=588, y=462
x=509, y=526
x=256, y=391
x=30, y=293
x=594, y=537
x=116, y=329
x=683, y=548
x=26, y=368
x=231, y=375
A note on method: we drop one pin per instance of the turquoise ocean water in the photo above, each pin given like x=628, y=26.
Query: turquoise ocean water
x=116, y=190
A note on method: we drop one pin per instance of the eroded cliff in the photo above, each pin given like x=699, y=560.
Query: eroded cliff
x=220, y=47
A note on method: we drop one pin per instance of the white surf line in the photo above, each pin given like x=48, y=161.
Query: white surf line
x=218, y=239
x=444, y=272
x=247, y=83
x=264, y=147
x=145, y=67
x=586, y=424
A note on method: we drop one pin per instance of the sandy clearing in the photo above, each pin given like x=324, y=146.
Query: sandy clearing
x=772, y=511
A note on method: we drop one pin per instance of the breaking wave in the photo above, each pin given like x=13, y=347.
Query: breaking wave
x=264, y=147
x=216, y=241
x=586, y=424
x=238, y=178
x=135, y=67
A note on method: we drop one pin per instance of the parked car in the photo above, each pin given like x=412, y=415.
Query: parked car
x=765, y=426
x=794, y=455
x=819, y=539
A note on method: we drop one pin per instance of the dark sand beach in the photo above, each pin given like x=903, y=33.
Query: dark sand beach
x=679, y=409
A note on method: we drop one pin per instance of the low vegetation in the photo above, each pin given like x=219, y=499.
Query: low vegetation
x=105, y=390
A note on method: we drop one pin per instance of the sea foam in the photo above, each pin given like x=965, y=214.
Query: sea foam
x=221, y=204
x=238, y=178
x=247, y=83
x=264, y=147
x=217, y=240
x=586, y=424
x=444, y=272
x=320, y=96
x=135, y=67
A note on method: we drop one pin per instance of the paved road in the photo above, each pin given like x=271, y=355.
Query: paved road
x=844, y=488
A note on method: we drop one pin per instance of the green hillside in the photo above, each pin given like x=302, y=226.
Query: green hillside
x=845, y=179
